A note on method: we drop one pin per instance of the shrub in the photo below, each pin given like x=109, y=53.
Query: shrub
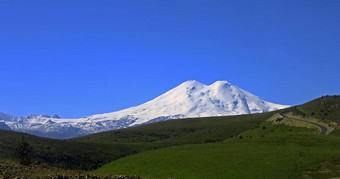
x=278, y=119
x=23, y=153
x=210, y=141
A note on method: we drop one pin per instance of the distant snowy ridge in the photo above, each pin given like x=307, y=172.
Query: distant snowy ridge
x=190, y=99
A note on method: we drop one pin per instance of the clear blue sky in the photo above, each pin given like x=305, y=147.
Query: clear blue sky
x=77, y=58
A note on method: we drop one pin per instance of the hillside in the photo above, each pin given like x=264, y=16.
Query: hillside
x=62, y=153
x=266, y=151
x=325, y=108
x=91, y=151
x=179, y=131
x=286, y=152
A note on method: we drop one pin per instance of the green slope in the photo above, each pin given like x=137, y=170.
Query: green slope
x=278, y=154
x=266, y=151
x=91, y=151
x=325, y=108
x=287, y=152
x=62, y=153
x=179, y=131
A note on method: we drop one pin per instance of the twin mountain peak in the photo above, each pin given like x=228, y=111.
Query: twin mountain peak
x=190, y=99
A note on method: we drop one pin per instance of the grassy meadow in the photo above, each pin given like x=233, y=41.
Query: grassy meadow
x=268, y=150
x=277, y=151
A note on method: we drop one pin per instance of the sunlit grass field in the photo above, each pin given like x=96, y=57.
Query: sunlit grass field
x=273, y=152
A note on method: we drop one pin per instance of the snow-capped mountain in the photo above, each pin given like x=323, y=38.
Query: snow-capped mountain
x=190, y=99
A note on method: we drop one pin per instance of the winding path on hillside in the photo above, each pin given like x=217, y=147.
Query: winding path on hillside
x=323, y=128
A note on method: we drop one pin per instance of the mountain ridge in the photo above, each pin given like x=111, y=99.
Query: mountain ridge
x=187, y=100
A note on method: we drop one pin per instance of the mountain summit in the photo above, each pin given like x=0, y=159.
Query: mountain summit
x=190, y=99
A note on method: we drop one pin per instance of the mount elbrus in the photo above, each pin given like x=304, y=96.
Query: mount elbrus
x=190, y=99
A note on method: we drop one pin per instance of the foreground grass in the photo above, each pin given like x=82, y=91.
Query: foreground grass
x=273, y=152
x=12, y=170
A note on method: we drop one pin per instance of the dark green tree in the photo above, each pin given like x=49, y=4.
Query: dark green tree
x=23, y=152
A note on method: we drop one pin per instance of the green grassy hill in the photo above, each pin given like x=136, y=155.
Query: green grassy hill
x=179, y=131
x=62, y=153
x=266, y=151
x=325, y=108
x=287, y=152
x=91, y=151
x=219, y=147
